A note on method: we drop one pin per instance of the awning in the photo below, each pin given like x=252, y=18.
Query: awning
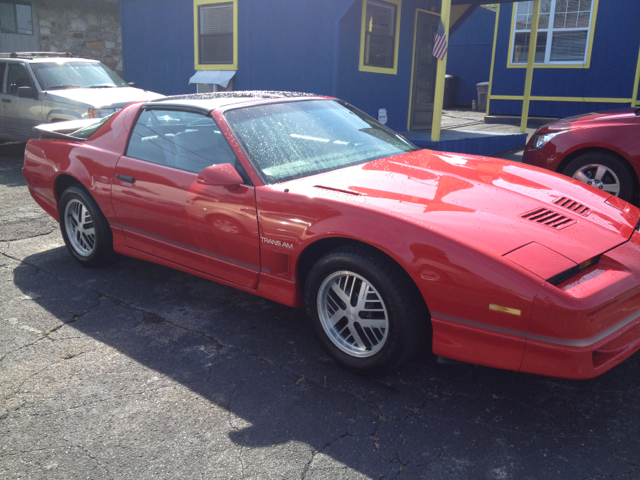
x=215, y=77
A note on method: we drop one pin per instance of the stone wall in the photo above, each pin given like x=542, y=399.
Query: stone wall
x=89, y=29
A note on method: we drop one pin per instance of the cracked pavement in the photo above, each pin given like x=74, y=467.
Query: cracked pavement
x=139, y=371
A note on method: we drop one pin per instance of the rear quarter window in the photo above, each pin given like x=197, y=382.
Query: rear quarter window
x=88, y=131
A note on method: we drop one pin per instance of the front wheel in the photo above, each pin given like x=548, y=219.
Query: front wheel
x=365, y=310
x=84, y=228
x=605, y=172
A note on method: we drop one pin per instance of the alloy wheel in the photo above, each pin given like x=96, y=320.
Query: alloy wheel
x=353, y=314
x=599, y=176
x=79, y=228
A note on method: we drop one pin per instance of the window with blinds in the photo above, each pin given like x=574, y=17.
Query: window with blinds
x=215, y=23
x=380, y=34
x=564, y=29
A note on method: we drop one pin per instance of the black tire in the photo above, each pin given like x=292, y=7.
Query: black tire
x=618, y=171
x=92, y=243
x=405, y=312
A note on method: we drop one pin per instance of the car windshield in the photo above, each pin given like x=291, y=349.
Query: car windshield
x=296, y=139
x=57, y=76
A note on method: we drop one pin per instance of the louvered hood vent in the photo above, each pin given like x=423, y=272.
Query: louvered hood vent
x=547, y=217
x=572, y=205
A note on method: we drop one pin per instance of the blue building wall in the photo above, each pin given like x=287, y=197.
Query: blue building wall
x=287, y=45
x=372, y=91
x=611, y=74
x=157, y=43
x=310, y=46
x=469, y=55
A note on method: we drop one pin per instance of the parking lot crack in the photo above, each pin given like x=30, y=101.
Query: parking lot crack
x=97, y=462
x=16, y=391
x=31, y=450
x=228, y=407
x=241, y=460
x=31, y=235
x=315, y=452
x=47, y=334
x=117, y=397
x=22, y=347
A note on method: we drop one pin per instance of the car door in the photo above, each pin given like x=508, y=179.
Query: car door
x=20, y=115
x=165, y=212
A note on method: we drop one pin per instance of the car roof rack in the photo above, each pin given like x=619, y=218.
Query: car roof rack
x=32, y=55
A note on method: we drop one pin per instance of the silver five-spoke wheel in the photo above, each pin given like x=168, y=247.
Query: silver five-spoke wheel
x=599, y=176
x=604, y=170
x=79, y=226
x=85, y=229
x=353, y=314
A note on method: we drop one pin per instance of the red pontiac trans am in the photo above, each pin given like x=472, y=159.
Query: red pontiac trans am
x=309, y=202
x=599, y=149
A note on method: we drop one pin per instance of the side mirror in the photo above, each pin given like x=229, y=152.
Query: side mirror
x=26, y=92
x=133, y=84
x=222, y=175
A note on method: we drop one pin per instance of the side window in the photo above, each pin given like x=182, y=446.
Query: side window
x=18, y=77
x=183, y=140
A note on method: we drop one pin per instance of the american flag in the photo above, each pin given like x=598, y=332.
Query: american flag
x=440, y=43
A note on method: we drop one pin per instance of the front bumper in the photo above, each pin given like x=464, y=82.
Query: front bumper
x=578, y=329
x=590, y=323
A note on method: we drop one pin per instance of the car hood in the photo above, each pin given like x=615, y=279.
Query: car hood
x=484, y=202
x=101, y=97
x=612, y=117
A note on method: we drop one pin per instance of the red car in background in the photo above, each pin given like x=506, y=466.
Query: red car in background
x=307, y=201
x=599, y=149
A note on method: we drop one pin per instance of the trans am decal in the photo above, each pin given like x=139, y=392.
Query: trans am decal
x=276, y=243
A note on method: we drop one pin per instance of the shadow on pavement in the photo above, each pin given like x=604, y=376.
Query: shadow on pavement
x=11, y=156
x=258, y=360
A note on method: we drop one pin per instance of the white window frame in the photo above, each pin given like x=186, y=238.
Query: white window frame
x=550, y=31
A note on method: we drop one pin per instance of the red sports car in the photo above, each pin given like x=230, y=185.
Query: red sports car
x=309, y=202
x=599, y=149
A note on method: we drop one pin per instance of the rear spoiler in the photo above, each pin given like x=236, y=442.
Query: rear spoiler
x=64, y=130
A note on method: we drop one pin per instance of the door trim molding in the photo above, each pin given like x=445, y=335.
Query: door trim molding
x=186, y=247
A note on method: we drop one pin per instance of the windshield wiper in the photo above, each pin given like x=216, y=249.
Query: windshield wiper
x=62, y=87
x=102, y=85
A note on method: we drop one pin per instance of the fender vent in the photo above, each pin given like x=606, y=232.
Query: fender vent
x=572, y=205
x=547, y=217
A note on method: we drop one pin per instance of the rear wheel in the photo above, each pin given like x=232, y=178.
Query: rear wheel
x=365, y=310
x=606, y=172
x=84, y=228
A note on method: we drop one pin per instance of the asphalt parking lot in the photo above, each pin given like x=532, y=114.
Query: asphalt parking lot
x=137, y=371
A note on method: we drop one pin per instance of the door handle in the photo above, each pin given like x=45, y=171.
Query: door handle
x=6, y=100
x=125, y=178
